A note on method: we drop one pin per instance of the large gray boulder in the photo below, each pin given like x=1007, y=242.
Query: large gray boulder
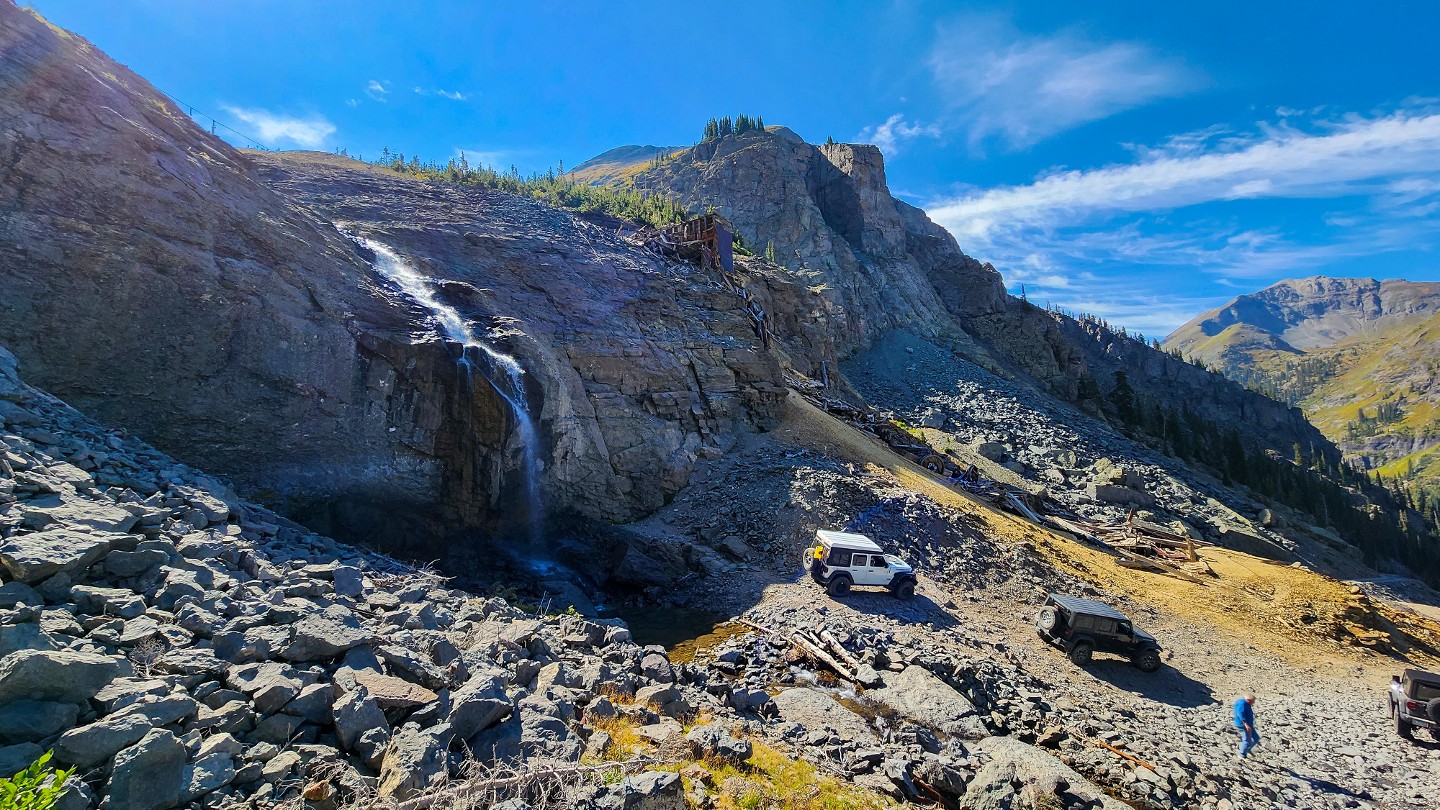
x=97, y=742
x=652, y=790
x=1023, y=777
x=478, y=705
x=149, y=775
x=361, y=726
x=34, y=720
x=814, y=709
x=62, y=676
x=923, y=698
x=25, y=636
x=325, y=635
x=16, y=758
x=414, y=758
x=31, y=558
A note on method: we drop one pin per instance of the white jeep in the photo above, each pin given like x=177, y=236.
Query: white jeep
x=840, y=560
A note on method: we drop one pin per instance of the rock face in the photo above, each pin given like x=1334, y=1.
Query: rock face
x=641, y=366
x=880, y=264
x=834, y=227
x=276, y=355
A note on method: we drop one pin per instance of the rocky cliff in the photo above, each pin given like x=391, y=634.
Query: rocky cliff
x=880, y=264
x=154, y=279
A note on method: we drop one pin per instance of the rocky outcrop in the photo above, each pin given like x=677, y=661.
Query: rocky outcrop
x=834, y=228
x=154, y=279
x=876, y=264
x=639, y=366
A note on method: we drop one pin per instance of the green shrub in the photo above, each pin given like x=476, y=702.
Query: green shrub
x=38, y=787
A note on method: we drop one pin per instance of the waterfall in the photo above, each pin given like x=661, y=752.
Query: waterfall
x=511, y=386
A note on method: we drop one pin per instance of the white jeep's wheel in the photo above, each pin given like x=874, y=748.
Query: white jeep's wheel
x=905, y=590
x=839, y=585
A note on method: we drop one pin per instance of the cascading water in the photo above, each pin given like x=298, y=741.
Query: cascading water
x=511, y=388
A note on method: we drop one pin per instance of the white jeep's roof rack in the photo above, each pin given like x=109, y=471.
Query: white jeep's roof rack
x=846, y=540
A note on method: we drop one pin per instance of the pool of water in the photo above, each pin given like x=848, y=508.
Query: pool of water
x=676, y=629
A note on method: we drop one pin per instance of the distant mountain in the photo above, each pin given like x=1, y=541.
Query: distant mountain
x=1359, y=355
x=617, y=164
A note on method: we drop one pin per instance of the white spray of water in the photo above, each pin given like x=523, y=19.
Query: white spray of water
x=457, y=328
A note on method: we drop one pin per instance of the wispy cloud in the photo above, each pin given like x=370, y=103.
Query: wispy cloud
x=895, y=131
x=275, y=129
x=453, y=95
x=1021, y=89
x=1358, y=155
x=378, y=89
x=1150, y=225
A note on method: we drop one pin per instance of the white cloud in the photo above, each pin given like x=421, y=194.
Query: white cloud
x=453, y=95
x=889, y=135
x=352, y=102
x=1023, y=89
x=1356, y=156
x=273, y=129
x=378, y=89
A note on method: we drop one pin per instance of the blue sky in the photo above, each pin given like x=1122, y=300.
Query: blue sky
x=1140, y=161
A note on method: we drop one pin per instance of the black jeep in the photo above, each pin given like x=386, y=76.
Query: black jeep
x=1080, y=627
x=1415, y=702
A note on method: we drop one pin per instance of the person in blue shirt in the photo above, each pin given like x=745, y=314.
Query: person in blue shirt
x=1245, y=724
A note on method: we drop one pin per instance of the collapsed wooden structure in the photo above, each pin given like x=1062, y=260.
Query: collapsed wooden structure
x=709, y=242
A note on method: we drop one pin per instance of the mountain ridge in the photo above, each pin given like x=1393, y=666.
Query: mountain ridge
x=1359, y=355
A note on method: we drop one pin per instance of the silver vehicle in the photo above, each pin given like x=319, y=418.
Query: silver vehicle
x=1415, y=702
x=841, y=560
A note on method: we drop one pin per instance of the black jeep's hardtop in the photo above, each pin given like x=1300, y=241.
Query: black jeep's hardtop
x=1082, y=627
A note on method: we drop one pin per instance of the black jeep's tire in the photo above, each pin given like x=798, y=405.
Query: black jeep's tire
x=1147, y=660
x=839, y=586
x=905, y=590
x=1401, y=727
x=1080, y=654
x=1048, y=620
